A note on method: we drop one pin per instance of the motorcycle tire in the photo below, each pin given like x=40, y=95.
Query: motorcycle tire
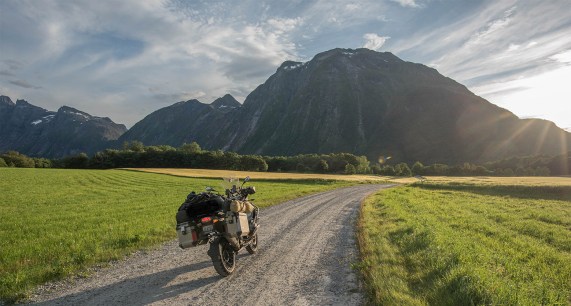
x=253, y=247
x=223, y=256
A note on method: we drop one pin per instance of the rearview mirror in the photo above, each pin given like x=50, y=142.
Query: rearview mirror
x=209, y=189
x=246, y=179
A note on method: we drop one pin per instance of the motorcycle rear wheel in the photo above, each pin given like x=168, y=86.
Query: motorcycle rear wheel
x=253, y=247
x=223, y=256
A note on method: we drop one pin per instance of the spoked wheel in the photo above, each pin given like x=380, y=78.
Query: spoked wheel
x=223, y=256
x=253, y=247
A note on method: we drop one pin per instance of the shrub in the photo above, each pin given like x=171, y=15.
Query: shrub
x=3, y=163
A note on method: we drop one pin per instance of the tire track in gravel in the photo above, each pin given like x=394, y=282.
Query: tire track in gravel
x=300, y=261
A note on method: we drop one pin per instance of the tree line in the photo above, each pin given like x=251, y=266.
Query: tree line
x=137, y=155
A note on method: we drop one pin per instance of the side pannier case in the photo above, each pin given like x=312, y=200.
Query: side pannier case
x=237, y=224
x=187, y=235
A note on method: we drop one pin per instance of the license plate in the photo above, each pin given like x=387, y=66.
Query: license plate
x=207, y=229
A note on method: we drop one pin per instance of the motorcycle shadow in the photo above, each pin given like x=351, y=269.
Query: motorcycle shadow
x=141, y=290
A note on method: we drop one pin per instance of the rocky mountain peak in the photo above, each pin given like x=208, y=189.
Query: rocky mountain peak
x=227, y=101
x=5, y=100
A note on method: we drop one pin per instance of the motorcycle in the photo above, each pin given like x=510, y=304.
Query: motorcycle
x=229, y=223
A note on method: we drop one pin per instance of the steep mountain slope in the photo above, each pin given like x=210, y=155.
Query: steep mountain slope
x=34, y=131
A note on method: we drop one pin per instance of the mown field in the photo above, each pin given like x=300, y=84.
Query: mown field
x=56, y=222
x=263, y=175
x=467, y=244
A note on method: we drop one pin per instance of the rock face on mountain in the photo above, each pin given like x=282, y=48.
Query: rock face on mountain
x=34, y=131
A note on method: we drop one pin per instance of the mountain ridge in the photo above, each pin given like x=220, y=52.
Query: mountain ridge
x=35, y=131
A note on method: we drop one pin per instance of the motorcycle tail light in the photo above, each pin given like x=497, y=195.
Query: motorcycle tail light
x=206, y=220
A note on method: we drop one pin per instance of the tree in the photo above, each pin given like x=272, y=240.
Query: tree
x=418, y=168
x=543, y=171
x=125, y=146
x=79, y=161
x=137, y=146
x=320, y=166
x=397, y=170
x=509, y=172
x=498, y=172
x=18, y=160
x=350, y=169
x=190, y=147
x=480, y=171
x=300, y=168
x=404, y=170
x=519, y=171
x=3, y=163
x=389, y=170
x=529, y=171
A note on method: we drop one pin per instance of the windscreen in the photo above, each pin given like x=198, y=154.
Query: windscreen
x=229, y=181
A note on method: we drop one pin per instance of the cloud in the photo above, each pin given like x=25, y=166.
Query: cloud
x=405, y=3
x=6, y=72
x=13, y=64
x=180, y=96
x=285, y=24
x=563, y=57
x=24, y=83
x=374, y=42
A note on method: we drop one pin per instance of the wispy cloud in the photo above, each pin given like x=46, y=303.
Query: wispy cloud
x=6, y=72
x=24, y=83
x=175, y=97
x=13, y=64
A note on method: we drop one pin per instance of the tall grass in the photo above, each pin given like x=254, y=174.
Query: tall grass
x=54, y=222
x=467, y=245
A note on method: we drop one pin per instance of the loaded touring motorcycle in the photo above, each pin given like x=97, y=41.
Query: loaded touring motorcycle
x=229, y=223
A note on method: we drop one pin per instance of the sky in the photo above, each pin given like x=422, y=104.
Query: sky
x=125, y=59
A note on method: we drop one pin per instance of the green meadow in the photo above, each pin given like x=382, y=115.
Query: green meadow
x=462, y=244
x=56, y=222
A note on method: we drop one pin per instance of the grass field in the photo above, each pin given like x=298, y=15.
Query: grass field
x=466, y=244
x=55, y=222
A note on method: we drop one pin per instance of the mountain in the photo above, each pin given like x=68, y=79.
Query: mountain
x=375, y=104
x=182, y=122
x=34, y=131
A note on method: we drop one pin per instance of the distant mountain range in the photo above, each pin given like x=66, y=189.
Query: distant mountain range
x=34, y=131
x=343, y=100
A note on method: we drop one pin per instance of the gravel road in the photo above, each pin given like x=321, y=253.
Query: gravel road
x=305, y=246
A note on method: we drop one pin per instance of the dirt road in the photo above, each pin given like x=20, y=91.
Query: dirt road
x=304, y=250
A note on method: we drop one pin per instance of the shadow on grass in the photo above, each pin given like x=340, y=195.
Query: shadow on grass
x=562, y=193
x=429, y=270
x=140, y=290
